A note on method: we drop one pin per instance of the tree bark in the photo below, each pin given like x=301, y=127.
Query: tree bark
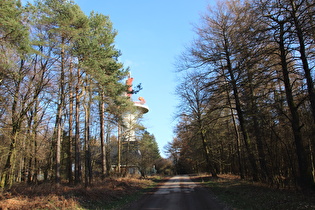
x=240, y=115
x=258, y=133
x=210, y=164
x=306, y=178
x=77, y=159
x=302, y=50
x=237, y=134
x=69, y=149
x=58, y=133
x=102, y=132
x=307, y=73
x=87, y=108
x=119, y=149
x=7, y=176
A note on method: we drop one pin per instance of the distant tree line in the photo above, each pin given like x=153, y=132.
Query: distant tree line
x=247, y=98
x=61, y=95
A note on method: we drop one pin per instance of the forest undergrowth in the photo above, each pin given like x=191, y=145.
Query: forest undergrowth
x=102, y=194
x=114, y=193
x=245, y=194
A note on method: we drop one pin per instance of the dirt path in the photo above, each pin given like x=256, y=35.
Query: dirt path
x=179, y=192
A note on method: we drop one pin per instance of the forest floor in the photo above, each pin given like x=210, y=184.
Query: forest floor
x=107, y=194
x=244, y=194
x=114, y=193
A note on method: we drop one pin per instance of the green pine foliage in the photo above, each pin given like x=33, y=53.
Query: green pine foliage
x=59, y=57
x=149, y=153
x=12, y=30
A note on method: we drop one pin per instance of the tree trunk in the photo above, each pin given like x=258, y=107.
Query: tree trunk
x=107, y=149
x=7, y=176
x=210, y=165
x=237, y=134
x=307, y=73
x=119, y=148
x=77, y=170
x=302, y=50
x=102, y=131
x=241, y=117
x=36, y=170
x=69, y=149
x=58, y=145
x=257, y=130
x=87, y=108
x=306, y=178
x=58, y=133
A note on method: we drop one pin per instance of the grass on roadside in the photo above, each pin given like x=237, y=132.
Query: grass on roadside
x=239, y=194
x=128, y=198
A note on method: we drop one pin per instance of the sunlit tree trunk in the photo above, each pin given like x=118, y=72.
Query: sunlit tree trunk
x=60, y=107
x=102, y=133
x=77, y=170
x=87, y=152
x=71, y=113
x=119, y=148
x=107, y=149
x=33, y=122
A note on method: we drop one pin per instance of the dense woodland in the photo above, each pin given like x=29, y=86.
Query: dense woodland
x=247, y=98
x=63, y=96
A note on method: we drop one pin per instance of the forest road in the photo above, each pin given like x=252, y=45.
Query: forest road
x=178, y=193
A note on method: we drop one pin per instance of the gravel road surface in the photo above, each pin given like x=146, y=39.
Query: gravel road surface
x=178, y=193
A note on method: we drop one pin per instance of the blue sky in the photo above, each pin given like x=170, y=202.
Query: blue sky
x=151, y=34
